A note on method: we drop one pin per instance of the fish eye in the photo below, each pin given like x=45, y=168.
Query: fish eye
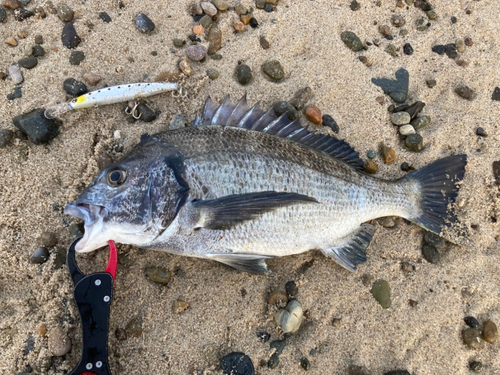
x=116, y=177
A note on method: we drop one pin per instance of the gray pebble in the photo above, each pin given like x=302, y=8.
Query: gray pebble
x=213, y=73
x=414, y=142
x=205, y=21
x=301, y=98
x=134, y=327
x=496, y=94
x=278, y=345
x=285, y=107
x=421, y=122
x=40, y=256
x=291, y=289
x=216, y=57
x=430, y=254
x=105, y=17
x=472, y=337
x=431, y=83
x=195, y=10
x=179, y=43
x=58, y=342
x=475, y=366
x=74, y=87
x=263, y=42
x=352, y=41
x=158, y=275
x=21, y=14
x=209, y=8
x=65, y=13
x=244, y=74
x=387, y=222
x=37, y=51
x=237, y=363
x=28, y=62
x=305, y=364
x=371, y=154
x=178, y=122
x=451, y=50
x=38, y=39
x=465, y=92
x=431, y=14
x=481, y=132
x=6, y=137
x=421, y=24
x=214, y=39
x=274, y=361
x=146, y=113
x=15, y=94
x=69, y=37
x=398, y=21
x=221, y=5
x=435, y=240
x=260, y=4
x=397, y=89
x=196, y=53
x=3, y=14
x=397, y=372
x=331, y=123
x=392, y=50
x=415, y=108
x=144, y=24
x=400, y=118
x=76, y=57
x=406, y=130
x=273, y=70
x=38, y=128
x=382, y=293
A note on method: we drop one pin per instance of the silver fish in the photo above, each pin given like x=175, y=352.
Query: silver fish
x=241, y=185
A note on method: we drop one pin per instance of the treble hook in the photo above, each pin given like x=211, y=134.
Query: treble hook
x=131, y=111
x=180, y=93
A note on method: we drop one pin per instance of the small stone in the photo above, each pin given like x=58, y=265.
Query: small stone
x=244, y=74
x=421, y=24
x=144, y=23
x=465, y=92
x=371, y=154
x=15, y=94
x=179, y=43
x=253, y=23
x=305, y=364
x=238, y=26
x=214, y=39
x=451, y=50
x=146, y=113
x=11, y=4
x=405, y=167
x=178, y=122
x=381, y=100
x=471, y=322
x=278, y=346
x=48, y=239
x=92, y=79
x=408, y=49
x=431, y=14
x=197, y=30
x=331, y=123
x=352, y=41
x=425, y=6
x=460, y=45
x=212, y=73
x=355, y=5
x=120, y=334
x=134, y=327
x=39, y=39
x=105, y=17
x=421, y=122
x=496, y=94
x=6, y=137
x=28, y=62
x=468, y=42
x=392, y=50
x=490, y=332
x=38, y=128
x=472, y=337
x=37, y=51
x=388, y=154
x=430, y=254
x=180, y=306
x=414, y=142
x=462, y=63
x=186, y=68
x=291, y=289
x=475, y=366
x=263, y=336
x=59, y=343
x=481, y=132
x=301, y=97
x=240, y=9
x=371, y=167
x=3, y=14
x=439, y=49
x=398, y=21
x=40, y=256
x=237, y=363
x=364, y=60
x=382, y=293
x=385, y=30
x=245, y=18
x=285, y=107
x=65, y=13
x=313, y=114
x=400, y=4
x=76, y=57
x=406, y=267
x=274, y=361
x=196, y=53
x=414, y=109
x=69, y=37
x=406, y=130
x=277, y=298
x=209, y=8
x=205, y=22
x=74, y=87
x=431, y=83
x=397, y=89
x=260, y=4
x=221, y=5
x=11, y=41
x=397, y=372
x=273, y=70
x=40, y=12
x=21, y=14
x=195, y=9
x=453, y=19
x=290, y=318
x=42, y=330
x=400, y=118
x=158, y=275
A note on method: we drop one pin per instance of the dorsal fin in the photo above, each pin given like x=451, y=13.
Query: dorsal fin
x=242, y=116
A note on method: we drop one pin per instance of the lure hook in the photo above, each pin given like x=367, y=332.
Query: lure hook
x=131, y=111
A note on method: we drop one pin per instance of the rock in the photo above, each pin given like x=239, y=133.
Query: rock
x=397, y=89
x=76, y=57
x=146, y=113
x=179, y=43
x=48, y=239
x=180, y=306
x=388, y=154
x=42, y=330
x=471, y=322
x=460, y=45
x=60, y=259
x=59, y=343
x=253, y=23
x=277, y=298
x=197, y=30
x=237, y=363
x=430, y=254
x=290, y=318
x=305, y=364
x=92, y=79
x=40, y=256
x=397, y=372
x=496, y=94
x=3, y=14
x=475, y=366
x=400, y=118
x=414, y=142
x=462, y=63
x=421, y=122
x=12, y=4
x=435, y=240
x=284, y=107
x=406, y=130
x=15, y=94
x=313, y=114
x=352, y=41
x=195, y=10
x=431, y=83
x=178, y=122
x=240, y=9
x=291, y=289
x=273, y=70
x=209, y=8
x=496, y=171
x=38, y=128
x=414, y=109
x=385, y=30
x=439, y=49
x=15, y=74
x=490, y=332
x=186, y=68
x=465, y=92
x=214, y=39
x=244, y=74
x=144, y=23
x=481, y=132
x=134, y=327
x=421, y=24
x=431, y=14
x=398, y=21
x=37, y=51
x=382, y=293
x=69, y=37
x=263, y=336
x=28, y=62
x=120, y=334
x=472, y=337
x=274, y=361
x=331, y=123
x=408, y=49
x=158, y=275
x=11, y=41
x=371, y=167
x=38, y=39
x=245, y=18
x=6, y=137
x=238, y=26
x=206, y=21
x=301, y=97
x=371, y=154
x=355, y=6
x=221, y=5
x=212, y=73
x=451, y=50
x=74, y=87
x=65, y=13
x=196, y=53
x=105, y=17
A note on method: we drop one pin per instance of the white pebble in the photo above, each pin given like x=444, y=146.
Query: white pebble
x=209, y=8
x=290, y=318
x=407, y=130
x=15, y=74
x=186, y=68
x=117, y=134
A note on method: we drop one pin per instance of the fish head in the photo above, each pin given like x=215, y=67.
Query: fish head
x=132, y=201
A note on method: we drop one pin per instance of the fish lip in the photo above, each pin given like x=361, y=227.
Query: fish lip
x=93, y=216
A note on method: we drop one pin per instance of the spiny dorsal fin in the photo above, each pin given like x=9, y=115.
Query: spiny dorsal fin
x=242, y=116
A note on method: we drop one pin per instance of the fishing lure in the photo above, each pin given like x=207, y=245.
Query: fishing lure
x=111, y=95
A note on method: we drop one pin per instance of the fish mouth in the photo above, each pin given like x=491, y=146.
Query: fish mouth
x=93, y=216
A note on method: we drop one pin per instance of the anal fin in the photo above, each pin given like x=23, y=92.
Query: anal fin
x=251, y=263
x=352, y=250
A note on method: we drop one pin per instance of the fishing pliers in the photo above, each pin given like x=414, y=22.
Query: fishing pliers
x=93, y=295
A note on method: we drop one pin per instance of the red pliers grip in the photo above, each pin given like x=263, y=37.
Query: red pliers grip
x=93, y=295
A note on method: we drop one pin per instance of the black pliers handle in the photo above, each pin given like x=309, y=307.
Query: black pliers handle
x=93, y=295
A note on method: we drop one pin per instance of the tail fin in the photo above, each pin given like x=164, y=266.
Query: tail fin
x=438, y=187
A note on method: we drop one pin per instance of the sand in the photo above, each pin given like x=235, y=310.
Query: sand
x=227, y=307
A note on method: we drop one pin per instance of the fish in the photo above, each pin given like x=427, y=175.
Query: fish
x=241, y=185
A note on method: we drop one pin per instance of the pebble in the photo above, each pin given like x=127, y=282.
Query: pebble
x=238, y=26
x=465, y=92
x=69, y=37
x=355, y=6
x=285, y=107
x=253, y=23
x=451, y=50
x=472, y=337
x=21, y=14
x=392, y=50
x=274, y=361
x=301, y=97
x=178, y=122
x=397, y=89
x=421, y=24
x=397, y=372
x=28, y=62
x=439, y=49
x=134, y=327
x=206, y=21
x=400, y=118
x=105, y=17
x=475, y=366
x=37, y=51
x=244, y=74
x=6, y=136
x=245, y=18
x=387, y=222
x=481, y=132
x=237, y=363
x=263, y=336
x=76, y=57
x=120, y=334
x=431, y=14
x=209, y=8
x=40, y=12
x=496, y=171
x=490, y=332
x=144, y=23
x=196, y=53
x=352, y=41
x=382, y=293
x=15, y=94
x=371, y=167
x=278, y=346
x=40, y=256
x=3, y=14
x=371, y=154
x=496, y=94
x=146, y=113
x=158, y=275
x=398, y=21
x=331, y=123
x=186, y=68
x=408, y=49
x=277, y=298
x=48, y=239
x=221, y=5
x=421, y=122
x=414, y=142
x=385, y=30
x=195, y=9
x=462, y=63
x=406, y=130
x=431, y=83
x=430, y=254
x=291, y=289
x=471, y=322
x=38, y=39
x=65, y=13
x=74, y=87
x=11, y=41
x=290, y=318
x=460, y=45
x=213, y=73
x=42, y=330
x=92, y=79
x=38, y=128
x=11, y=4
x=313, y=114
x=415, y=108
x=240, y=9
x=180, y=306
x=365, y=60
x=58, y=342
x=198, y=29
x=388, y=154
x=214, y=39
x=468, y=42
x=179, y=43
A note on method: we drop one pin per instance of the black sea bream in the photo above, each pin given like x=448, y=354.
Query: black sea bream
x=241, y=185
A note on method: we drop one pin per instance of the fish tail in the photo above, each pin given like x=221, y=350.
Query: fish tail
x=439, y=184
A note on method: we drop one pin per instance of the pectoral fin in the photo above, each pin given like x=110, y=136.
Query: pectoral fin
x=225, y=212
x=251, y=263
